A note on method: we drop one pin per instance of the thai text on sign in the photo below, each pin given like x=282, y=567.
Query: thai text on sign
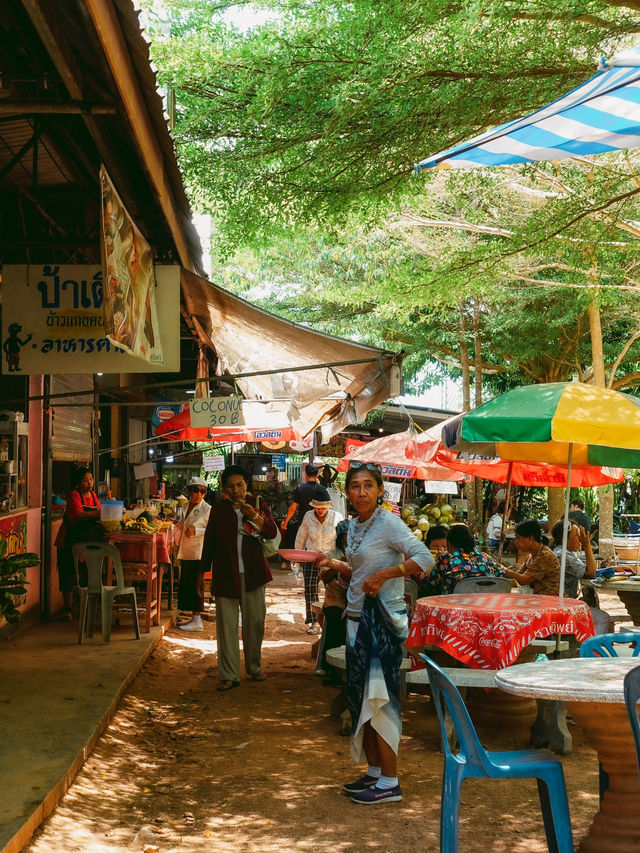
x=216, y=412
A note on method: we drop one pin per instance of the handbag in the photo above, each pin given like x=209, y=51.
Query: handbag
x=269, y=546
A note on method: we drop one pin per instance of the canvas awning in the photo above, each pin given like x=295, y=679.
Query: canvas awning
x=249, y=340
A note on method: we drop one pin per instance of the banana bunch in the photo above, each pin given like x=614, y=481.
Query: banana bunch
x=138, y=525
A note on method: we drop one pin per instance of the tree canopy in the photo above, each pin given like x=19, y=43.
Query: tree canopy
x=323, y=109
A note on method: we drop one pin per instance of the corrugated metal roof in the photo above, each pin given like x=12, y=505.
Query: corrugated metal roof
x=64, y=198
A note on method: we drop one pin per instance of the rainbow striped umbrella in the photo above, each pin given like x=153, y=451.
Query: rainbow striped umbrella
x=549, y=423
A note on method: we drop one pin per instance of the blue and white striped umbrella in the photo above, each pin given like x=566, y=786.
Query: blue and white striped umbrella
x=601, y=115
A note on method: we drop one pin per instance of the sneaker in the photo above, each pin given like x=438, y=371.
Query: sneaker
x=362, y=784
x=374, y=795
x=313, y=629
x=192, y=626
x=321, y=673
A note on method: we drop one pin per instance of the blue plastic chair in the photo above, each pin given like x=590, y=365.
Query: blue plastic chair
x=474, y=761
x=603, y=645
x=631, y=698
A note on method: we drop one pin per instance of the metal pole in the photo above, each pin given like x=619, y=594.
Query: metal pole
x=505, y=513
x=45, y=563
x=565, y=532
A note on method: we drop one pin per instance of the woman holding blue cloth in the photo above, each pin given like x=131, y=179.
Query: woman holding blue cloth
x=381, y=551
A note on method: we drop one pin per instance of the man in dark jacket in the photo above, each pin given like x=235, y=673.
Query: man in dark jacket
x=239, y=574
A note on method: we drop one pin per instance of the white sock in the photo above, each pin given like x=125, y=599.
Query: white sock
x=197, y=618
x=374, y=771
x=386, y=782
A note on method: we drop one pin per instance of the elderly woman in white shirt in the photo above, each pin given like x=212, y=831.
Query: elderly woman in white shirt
x=192, y=528
x=317, y=532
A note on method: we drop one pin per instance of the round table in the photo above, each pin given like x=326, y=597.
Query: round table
x=593, y=690
x=628, y=592
x=489, y=630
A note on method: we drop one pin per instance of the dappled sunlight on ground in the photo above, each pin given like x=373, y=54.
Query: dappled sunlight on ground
x=186, y=769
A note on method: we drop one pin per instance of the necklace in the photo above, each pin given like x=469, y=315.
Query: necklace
x=356, y=537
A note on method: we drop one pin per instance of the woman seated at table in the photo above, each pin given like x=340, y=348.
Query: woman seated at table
x=462, y=560
x=575, y=568
x=540, y=569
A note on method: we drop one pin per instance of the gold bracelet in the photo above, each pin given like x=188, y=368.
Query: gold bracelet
x=402, y=568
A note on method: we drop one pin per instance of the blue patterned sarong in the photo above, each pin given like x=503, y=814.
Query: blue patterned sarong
x=373, y=669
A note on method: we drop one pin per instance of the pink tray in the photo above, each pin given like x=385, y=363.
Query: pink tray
x=298, y=556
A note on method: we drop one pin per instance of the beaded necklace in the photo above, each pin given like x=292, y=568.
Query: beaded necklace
x=355, y=538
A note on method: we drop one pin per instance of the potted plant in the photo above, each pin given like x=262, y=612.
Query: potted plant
x=13, y=571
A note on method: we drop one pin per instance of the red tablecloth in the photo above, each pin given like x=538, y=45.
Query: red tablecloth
x=488, y=631
x=133, y=546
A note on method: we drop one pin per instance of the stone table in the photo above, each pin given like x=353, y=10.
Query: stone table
x=593, y=691
x=628, y=590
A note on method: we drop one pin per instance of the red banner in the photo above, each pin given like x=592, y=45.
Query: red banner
x=352, y=444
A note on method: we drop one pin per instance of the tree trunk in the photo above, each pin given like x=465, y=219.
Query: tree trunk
x=469, y=488
x=477, y=357
x=464, y=363
x=605, y=493
x=555, y=506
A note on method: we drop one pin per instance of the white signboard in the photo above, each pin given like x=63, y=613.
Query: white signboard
x=392, y=492
x=216, y=412
x=213, y=463
x=140, y=472
x=52, y=322
x=440, y=487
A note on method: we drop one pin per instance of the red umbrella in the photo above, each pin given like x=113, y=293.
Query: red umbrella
x=539, y=474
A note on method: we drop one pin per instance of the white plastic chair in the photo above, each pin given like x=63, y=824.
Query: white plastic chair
x=94, y=555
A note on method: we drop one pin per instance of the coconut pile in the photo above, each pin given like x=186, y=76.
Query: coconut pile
x=420, y=519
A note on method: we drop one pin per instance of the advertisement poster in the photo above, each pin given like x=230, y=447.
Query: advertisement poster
x=52, y=322
x=13, y=531
x=129, y=304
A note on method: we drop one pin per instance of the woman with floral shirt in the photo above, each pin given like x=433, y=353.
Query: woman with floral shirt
x=462, y=560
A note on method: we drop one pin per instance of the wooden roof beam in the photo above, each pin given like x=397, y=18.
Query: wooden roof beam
x=43, y=17
x=44, y=107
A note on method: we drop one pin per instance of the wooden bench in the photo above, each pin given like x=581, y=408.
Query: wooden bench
x=548, y=729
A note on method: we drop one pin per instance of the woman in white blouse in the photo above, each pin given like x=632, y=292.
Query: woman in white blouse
x=192, y=528
x=317, y=532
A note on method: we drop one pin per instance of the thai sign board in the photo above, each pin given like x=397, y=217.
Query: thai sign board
x=217, y=412
x=213, y=463
x=52, y=322
x=129, y=303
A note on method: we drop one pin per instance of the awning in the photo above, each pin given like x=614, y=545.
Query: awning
x=601, y=115
x=343, y=380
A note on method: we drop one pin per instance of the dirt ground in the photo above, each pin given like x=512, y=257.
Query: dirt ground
x=183, y=767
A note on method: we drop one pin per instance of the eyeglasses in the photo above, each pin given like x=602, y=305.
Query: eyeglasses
x=370, y=466
x=197, y=489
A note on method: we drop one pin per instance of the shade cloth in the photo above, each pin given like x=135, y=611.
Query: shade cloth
x=248, y=339
x=488, y=631
x=390, y=452
x=601, y=115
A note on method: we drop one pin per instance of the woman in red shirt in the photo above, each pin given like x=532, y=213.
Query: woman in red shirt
x=80, y=516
